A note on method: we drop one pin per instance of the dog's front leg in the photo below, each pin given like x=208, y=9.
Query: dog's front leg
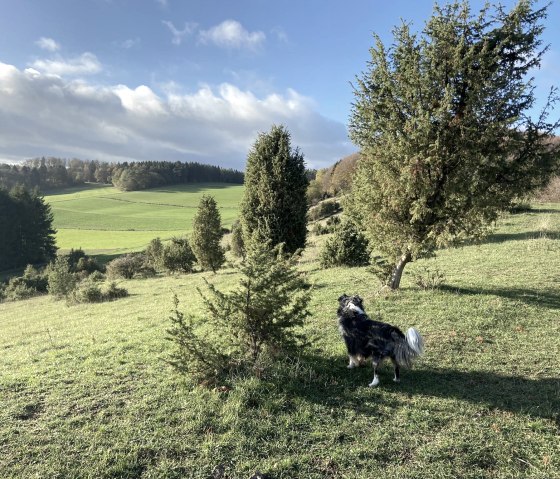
x=353, y=362
x=375, y=381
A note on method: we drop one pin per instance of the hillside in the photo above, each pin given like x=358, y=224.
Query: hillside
x=85, y=391
x=103, y=219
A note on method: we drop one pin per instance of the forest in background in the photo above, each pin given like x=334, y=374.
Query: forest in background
x=48, y=173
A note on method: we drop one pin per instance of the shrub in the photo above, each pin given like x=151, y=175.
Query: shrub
x=178, y=256
x=32, y=283
x=97, y=276
x=129, y=266
x=74, y=257
x=347, y=247
x=323, y=210
x=114, y=292
x=237, y=246
x=429, y=279
x=551, y=193
x=193, y=355
x=61, y=280
x=329, y=227
x=89, y=265
x=262, y=314
x=89, y=291
x=154, y=254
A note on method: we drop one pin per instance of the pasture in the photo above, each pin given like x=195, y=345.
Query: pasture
x=85, y=391
x=103, y=219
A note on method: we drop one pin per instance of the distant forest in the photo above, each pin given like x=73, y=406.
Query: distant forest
x=52, y=173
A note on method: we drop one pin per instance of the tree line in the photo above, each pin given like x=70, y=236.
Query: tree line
x=48, y=173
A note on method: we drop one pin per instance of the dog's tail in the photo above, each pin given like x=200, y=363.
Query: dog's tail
x=409, y=348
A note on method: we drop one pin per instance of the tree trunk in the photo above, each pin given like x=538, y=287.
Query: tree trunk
x=395, y=280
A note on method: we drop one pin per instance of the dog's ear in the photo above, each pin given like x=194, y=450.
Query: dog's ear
x=344, y=296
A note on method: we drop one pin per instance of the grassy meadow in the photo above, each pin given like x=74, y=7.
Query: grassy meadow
x=85, y=391
x=103, y=219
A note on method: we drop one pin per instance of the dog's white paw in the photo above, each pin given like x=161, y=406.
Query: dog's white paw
x=351, y=366
x=374, y=383
x=396, y=380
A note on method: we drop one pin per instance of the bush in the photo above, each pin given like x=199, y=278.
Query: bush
x=178, y=256
x=129, y=266
x=550, y=194
x=88, y=265
x=32, y=283
x=61, y=281
x=262, y=314
x=347, y=247
x=154, y=254
x=237, y=246
x=193, y=355
x=89, y=291
x=329, y=227
x=323, y=210
x=114, y=292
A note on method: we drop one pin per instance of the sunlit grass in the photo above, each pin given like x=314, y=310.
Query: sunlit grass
x=101, y=218
x=85, y=392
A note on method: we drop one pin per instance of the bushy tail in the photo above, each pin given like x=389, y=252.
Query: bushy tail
x=409, y=348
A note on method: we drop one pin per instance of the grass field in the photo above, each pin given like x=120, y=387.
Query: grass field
x=85, y=391
x=102, y=219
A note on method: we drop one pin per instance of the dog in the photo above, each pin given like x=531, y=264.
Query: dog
x=366, y=339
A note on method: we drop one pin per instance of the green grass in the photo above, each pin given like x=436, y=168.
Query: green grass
x=85, y=392
x=102, y=219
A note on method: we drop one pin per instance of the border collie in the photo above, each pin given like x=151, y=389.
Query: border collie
x=366, y=339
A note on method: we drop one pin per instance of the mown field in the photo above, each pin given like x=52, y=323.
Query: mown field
x=85, y=391
x=103, y=219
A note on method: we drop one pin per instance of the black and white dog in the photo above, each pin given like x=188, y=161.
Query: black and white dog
x=366, y=339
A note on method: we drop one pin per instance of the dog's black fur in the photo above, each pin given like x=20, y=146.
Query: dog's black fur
x=366, y=338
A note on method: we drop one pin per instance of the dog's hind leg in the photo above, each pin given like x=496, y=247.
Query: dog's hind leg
x=375, y=381
x=397, y=377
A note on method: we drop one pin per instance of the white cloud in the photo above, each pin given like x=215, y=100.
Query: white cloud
x=178, y=35
x=129, y=43
x=231, y=34
x=163, y=3
x=47, y=44
x=86, y=64
x=50, y=115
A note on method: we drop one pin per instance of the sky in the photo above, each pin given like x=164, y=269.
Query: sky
x=195, y=80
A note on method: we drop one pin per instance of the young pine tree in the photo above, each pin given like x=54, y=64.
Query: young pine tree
x=207, y=234
x=274, y=205
x=446, y=141
x=267, y=307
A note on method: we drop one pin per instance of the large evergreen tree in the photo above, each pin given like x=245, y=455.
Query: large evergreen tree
x=274, y=205
x=27, y=235
x=207, y=234
x=442, y=122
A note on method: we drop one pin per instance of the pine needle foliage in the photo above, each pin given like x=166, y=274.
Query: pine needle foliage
x=274, y=205
x=269, y=305
x=446, y=141
x=193, y=354
x=207, y=234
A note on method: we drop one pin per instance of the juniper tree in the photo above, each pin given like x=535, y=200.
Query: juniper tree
x=274, y=204
x=269, y=304
x=207, y=234
x=446, y=140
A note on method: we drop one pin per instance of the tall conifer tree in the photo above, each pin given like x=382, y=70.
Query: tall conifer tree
x=274, y=205
x=207, y=234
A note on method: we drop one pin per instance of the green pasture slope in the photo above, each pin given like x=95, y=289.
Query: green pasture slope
x=85, y=391
x=102, y=219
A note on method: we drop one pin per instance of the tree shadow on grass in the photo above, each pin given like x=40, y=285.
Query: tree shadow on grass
x=525, y=236
x=536, y=297
x=337, y=387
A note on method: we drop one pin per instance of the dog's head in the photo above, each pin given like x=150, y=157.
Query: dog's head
x=350, y=303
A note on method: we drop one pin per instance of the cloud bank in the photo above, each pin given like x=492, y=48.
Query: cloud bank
x=231, y=34
x=45, y=114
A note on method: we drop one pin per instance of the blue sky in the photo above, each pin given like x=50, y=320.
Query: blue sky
x=193, y=80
